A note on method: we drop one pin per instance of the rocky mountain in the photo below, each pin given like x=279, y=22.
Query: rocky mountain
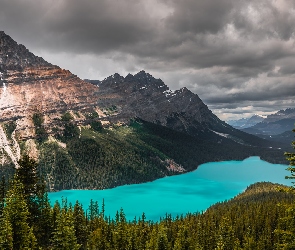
x=281, y=115
x=246, y=122
x=274, y=124
x=150, y=99
x=275, y=127
x=99, y=134
x=30, y=85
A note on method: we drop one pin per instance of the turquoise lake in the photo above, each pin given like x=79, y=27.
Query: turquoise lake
x=191, y=192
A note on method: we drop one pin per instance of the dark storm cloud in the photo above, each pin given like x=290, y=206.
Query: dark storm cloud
x=230, y=52
x=199, y=16
x=78, y=26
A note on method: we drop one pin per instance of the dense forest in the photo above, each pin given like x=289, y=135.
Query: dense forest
x=98, y=157
x=262, y=217
x=256, y=219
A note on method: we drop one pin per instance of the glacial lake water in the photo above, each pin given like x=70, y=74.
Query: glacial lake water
x=191, y=192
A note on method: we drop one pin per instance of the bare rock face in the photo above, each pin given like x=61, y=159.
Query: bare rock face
x=15, y=57
x=29, y=83
x=150, y=99
x=30, y=87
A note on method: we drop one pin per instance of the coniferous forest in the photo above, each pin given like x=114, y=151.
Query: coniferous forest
x=263, y=217
x=97, y=157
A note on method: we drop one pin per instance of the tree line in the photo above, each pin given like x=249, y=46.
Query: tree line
x=260, y=218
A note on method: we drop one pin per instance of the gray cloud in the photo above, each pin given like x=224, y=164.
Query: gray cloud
x=234, y=54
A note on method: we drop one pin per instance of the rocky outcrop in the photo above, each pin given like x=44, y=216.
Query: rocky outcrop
x=31, y=84
x=42, y=105
x=275, y=124
x=143, y=96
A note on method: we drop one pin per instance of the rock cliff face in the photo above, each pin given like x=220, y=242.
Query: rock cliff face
x=29, y=84
x=57, y=118
x=150, y=99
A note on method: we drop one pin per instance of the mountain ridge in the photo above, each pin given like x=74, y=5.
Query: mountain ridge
x=59, y=119
x=274, y=124
x=246, y=122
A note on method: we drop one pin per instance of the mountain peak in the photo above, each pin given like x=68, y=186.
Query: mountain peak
x=14, y=56
x=129, y=78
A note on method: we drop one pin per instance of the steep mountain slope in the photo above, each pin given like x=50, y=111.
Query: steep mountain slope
x=30, y=85
x=101, y=134
x=150, y=99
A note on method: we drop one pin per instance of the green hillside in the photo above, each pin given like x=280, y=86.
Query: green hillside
x=130, y=154
x=97, y=157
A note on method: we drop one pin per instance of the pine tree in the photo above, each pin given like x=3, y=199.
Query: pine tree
x=27, y=175
x=182, y=241
x=2, y=194
x=286, y=230
x=44, y=225
x=34, y=187
x=64, y=235
x=120, y=233
x=16, y=213
x=162, y=240
x=32, y=241
x=225, y=235
x=6, y=237
x=81, y=231
x=286, y=227
x=291, y=159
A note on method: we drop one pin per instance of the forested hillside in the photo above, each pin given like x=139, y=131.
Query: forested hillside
x=260, y=218
x=97, y=157
x=121, y=130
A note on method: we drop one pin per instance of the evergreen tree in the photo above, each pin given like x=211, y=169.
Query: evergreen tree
x=43, y=227
x=2, y=194
x=291, y=159
x=32, y=241
x=80, y=226
x=182, y=241
x=162, y=240
x=225, y=235
x=286, y=227
x=93, y=215
x=6, y=237
x=16, y=213
x=36, y=198
x=286, y=230
x=27, y=175
x=64, y=237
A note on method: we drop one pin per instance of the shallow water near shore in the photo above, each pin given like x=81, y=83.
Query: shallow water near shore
x=191, y=192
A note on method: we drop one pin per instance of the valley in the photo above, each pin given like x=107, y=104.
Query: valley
x=192, y=192
x=103, y=134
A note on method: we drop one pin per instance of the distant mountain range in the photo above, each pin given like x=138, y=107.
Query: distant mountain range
x=101, y=134
x=246, y=122
x=275, y=127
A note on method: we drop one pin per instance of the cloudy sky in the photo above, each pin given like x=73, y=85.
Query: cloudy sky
x=237, y=55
